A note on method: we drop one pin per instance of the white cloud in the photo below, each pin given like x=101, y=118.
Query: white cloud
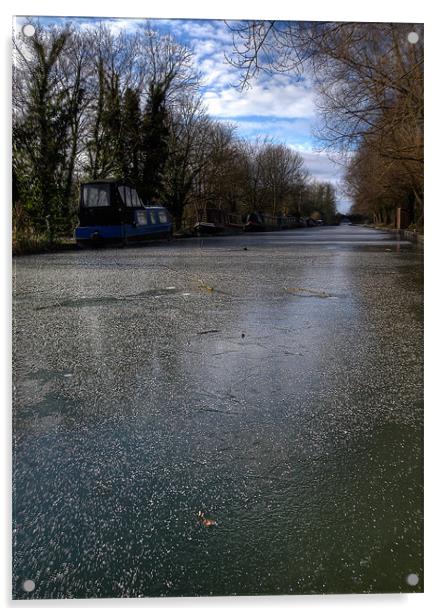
x=319, y=164
x=276, y=95
x=217, y=75
x=290, y=100
x=116, y=26
x=203, y=48
x=204, y=29
x=281, y=130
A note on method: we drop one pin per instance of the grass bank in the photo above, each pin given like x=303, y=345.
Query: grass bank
x=34, y=243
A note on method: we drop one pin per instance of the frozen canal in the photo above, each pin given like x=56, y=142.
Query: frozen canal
x=277, y=389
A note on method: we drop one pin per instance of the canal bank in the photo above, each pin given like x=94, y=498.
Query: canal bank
x=402, y=234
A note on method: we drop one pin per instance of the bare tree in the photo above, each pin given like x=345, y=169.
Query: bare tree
x=114, y=63
x=166, y=64
x=282, y=171
x=217, y=185
x=187, y=155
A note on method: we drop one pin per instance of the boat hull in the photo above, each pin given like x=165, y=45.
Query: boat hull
x=100, y=234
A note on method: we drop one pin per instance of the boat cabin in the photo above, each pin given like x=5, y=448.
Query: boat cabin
x=113, y=210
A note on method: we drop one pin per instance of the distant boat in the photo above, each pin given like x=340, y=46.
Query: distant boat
x=210, y=221
x=261, y=221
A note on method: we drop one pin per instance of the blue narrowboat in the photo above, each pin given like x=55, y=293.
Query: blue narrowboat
x=112, y=211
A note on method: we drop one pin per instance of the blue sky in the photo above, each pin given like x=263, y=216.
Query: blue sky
x=277, y=107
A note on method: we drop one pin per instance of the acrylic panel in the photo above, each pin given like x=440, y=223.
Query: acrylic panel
x=217, y=307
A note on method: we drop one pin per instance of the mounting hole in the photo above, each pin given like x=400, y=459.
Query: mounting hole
x=413, y=37
x=412, y=579
x=28, y=30
x=28, y=585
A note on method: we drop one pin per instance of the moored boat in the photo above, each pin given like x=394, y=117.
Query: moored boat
x=112, y=211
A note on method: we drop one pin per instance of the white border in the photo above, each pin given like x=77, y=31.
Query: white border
x=345, y=10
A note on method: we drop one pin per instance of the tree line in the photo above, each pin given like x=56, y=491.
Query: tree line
x=91, y=104
x=369, y=84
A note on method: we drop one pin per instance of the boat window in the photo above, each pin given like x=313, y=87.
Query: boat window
x=135, y=199
x=96, y=195
x=162, y=216
x=128, y=196
x=153, y=218
x=141, y=217
x=121, y=190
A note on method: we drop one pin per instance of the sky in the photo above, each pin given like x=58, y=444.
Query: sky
x=276, y=107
